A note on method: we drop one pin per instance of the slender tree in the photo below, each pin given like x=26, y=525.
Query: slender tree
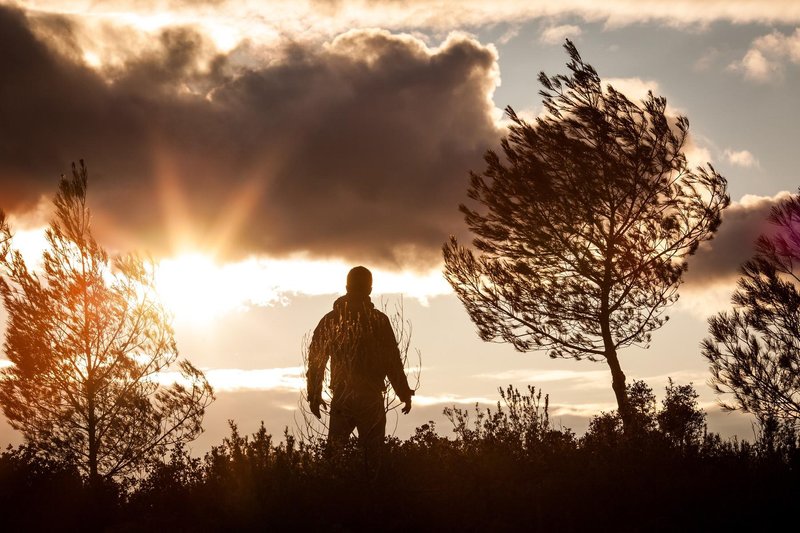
x=584, y=227
x=90, y=342
x=754, y=349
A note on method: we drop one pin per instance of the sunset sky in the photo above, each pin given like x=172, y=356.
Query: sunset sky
x=258, y=150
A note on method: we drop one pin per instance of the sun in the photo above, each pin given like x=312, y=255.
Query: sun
x=196, y=289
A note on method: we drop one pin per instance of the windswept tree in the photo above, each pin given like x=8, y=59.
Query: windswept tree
x=583, y=228
x=90, y=344
x=754, y=349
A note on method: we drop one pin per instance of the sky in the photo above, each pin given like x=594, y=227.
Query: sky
x=259, y=150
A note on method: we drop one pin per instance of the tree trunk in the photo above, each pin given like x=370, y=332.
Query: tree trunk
x=617, y=376
x=94, y=477
x=93, y=443
x=610, y=348
x=618, y=384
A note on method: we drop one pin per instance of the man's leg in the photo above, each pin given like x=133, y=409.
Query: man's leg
x=371, y=431
x=340, y=426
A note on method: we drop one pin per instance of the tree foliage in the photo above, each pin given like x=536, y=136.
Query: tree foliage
x=754, y=349
x=681, y=420
x=679, y=423
x=90, y=342
x=583, y=228
x=5, y=235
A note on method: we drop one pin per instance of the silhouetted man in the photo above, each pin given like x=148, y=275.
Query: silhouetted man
x=360, y=343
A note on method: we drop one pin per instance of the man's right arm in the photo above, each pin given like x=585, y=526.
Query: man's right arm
x=318, y=354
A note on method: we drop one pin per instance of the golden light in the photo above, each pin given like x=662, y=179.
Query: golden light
x=289, y=379
x=197, y=289
x=31, y=243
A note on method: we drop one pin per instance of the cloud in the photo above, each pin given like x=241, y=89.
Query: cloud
x=290, y=379
x=634, y=88
x=696, y=154
x=706, y=60
x=584, y=380
x=557, y=34
x=740, y=158
x=358, y=149
x=718, y=260
x=583, y=410
x=235, y=379
x=765, y=60
x=325, y=18
x=579, y=379
x=450, y=399
x=714, y=269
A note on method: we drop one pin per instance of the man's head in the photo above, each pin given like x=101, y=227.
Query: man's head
x=359, y=281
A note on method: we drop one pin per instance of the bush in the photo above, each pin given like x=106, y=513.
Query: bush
x=503, y=467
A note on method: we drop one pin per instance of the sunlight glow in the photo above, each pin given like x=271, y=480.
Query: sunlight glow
x=31, y=243
x=289, y=379
x=92, y=59
x=197, y=289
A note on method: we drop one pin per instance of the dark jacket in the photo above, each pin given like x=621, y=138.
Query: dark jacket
x=360, y=343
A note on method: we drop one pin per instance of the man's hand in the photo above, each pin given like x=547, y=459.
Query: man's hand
x=407, y=406
x=315, y=403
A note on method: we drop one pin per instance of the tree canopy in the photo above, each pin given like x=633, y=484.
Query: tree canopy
x=584, y=225
x=754, y=349
x=90, y=344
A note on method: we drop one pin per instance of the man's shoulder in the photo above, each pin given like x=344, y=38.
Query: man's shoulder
x=381, y=321
x=377, y=314
x=327, y=319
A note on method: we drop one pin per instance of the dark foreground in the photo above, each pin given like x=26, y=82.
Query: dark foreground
x=502, y=470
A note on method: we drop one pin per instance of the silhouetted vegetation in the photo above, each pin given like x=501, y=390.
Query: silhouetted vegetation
x=4, y=234
x=88, y=339
x=584, y=226
x=754, y=349
x=508, y=466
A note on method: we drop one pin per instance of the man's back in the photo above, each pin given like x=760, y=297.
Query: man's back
x=360, y=343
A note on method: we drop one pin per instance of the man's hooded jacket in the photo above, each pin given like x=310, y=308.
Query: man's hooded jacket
x=361, y=345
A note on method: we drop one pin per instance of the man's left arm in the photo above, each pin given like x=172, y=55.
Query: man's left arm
x=317, y=361
x=395, y=371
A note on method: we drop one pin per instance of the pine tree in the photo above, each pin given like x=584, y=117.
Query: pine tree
x=90, y=342
x=583, y=228
x=754, y=349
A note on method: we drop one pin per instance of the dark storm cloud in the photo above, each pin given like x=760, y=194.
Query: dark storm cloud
x=358, y=149
x=742, y=223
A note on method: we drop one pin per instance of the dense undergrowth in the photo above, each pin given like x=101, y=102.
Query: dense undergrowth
x=502, y=468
